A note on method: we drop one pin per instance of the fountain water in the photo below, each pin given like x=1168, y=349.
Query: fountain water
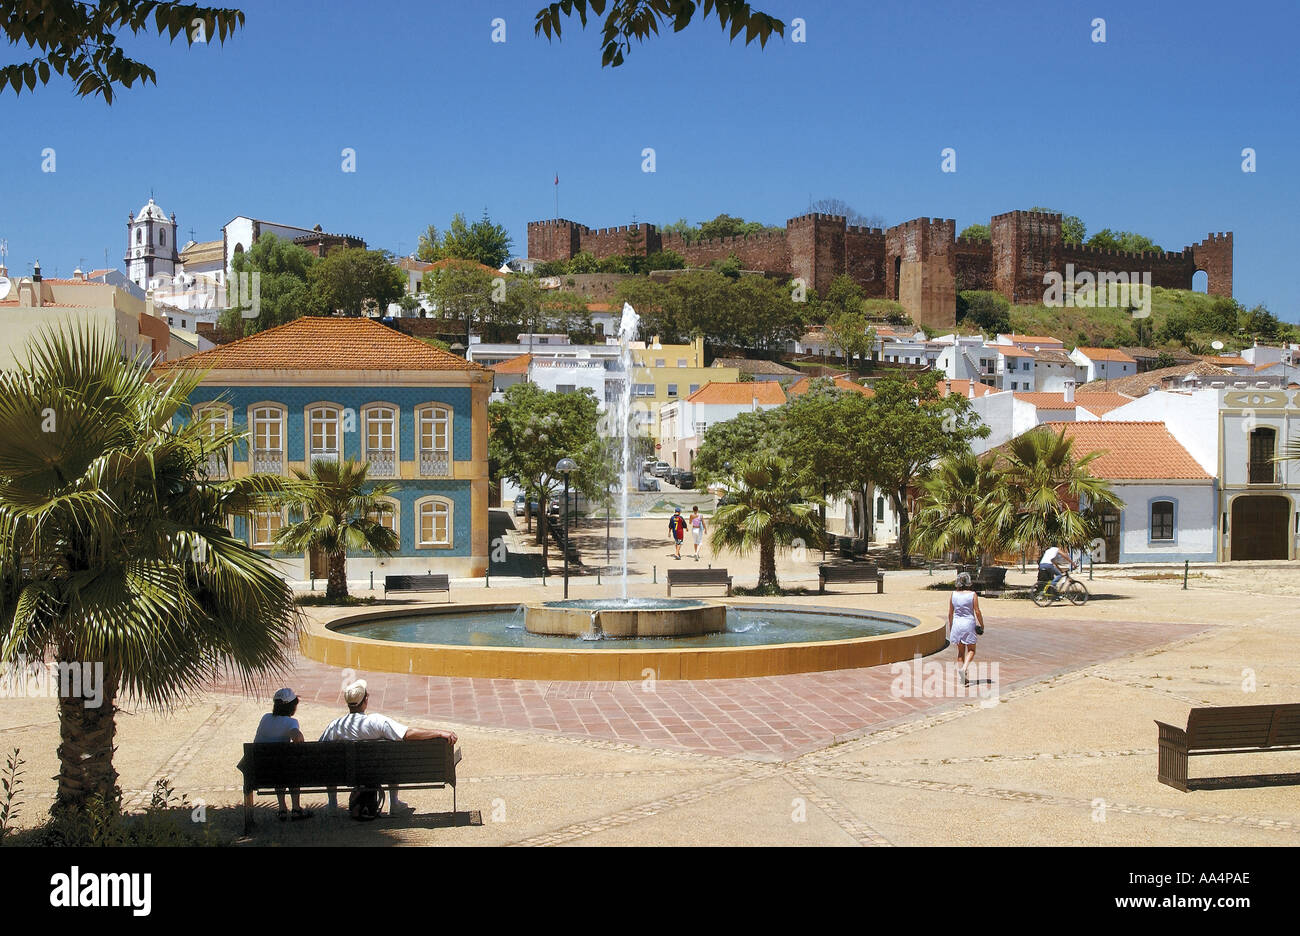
x=628, y=327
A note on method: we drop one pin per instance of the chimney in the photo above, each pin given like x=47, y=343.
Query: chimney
x=970, y=389
x=1069, y=391
x=36, y=275
x=947, y=387
x=27, y=293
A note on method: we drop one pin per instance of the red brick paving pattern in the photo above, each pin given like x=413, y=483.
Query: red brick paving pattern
x=773, y=717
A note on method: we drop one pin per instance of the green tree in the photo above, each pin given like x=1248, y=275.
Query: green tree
x=823, y=434
x=355, y=281
x=955, y=512
x=737, y=441
x=80, y=40
x=342, y=513
x=640, y=19
x=976, y=232
x=665, y=260
x=688, y=232
x=1045, y=486
x=1073, y=229
x=482, y=242
x=284, y=294
x=766, y=510
x=910, y=427
x=115, y=547
x=584, y=261
x=886, y=310
x=531, y=429
x=1106, y=239
x=852, y=333
x=988, y=311
x=461, y=290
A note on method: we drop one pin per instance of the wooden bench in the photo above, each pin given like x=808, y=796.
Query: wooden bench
x=854, y=572
x=417, y=583
x=698, y=577
x=1234, y=729
x=849, y=546
x=318, y=766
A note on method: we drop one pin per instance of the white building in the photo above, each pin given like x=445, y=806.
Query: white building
x=1103, y=363
x=683, y=422
x=150, y=245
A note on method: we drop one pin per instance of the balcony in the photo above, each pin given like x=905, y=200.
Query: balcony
x=329, y=455
x=383, y=463
x=435, y=464
x=1262, y=472
x=268, y=461
x=217, y=469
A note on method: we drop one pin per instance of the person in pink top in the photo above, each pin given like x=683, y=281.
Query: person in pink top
x=698, y=529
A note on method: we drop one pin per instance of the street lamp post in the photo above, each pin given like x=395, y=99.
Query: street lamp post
x=566, y=466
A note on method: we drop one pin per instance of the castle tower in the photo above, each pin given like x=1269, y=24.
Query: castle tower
x=151, y=248
x=1214, y=256
x=816, y=245
x=1026, y=245
x=921, y=269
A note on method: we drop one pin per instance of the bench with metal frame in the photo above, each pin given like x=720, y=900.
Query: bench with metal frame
x=1233, y=729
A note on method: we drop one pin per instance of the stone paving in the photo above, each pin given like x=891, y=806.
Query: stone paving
x=1067, y=756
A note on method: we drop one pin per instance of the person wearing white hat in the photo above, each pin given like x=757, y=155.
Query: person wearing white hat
x=360, y=725
x=280, y=726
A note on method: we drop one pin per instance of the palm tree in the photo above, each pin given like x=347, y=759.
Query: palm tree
x=766, y=510
x=340, y=514
x=1046, y=484
x=955, y=513
x=115, y=551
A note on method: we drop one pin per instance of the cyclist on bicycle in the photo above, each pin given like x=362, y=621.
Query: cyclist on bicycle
x=1053, y=556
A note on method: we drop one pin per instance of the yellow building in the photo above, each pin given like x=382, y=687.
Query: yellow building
x=33, y=304
x=664, y=373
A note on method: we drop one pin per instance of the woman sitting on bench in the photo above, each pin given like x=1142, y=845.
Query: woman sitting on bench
x=279, y=725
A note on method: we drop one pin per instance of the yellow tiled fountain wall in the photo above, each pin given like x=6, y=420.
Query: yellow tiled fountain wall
x=320, y=642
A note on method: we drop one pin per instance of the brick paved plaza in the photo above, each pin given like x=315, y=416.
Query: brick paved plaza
x=1065, y=756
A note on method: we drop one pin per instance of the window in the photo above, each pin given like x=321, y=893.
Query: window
x=215, y=421
x=433, y=431
x=694, y=387
x=543, y=340
x=322, y=434
x=1262, y=468
x=672, y=389
x=1026, y=366
x=643, y=389
x=700, y=428
x=1013, y=385
x=565, y=388
x=1162, y=520
x=266, y=526
x=385, y=514
x=434, y=526
x=268, y=439
x=381, y=440
x=162, y=238
x=880, y=510
x=681, y=362
x=139, y=236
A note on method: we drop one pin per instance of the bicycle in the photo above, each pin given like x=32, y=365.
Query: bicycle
x=1071, y=590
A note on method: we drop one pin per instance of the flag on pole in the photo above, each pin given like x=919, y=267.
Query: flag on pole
x=557, y=178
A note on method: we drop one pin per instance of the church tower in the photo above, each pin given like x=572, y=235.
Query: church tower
x=151, y=248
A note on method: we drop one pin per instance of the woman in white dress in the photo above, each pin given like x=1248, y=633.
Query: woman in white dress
x=964, y=617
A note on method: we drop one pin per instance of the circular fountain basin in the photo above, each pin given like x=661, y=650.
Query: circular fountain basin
x=492, y=641
x=625, y=618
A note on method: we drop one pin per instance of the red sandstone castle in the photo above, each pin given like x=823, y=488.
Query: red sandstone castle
x=920, y=263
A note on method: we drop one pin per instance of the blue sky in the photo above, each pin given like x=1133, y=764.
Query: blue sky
x=1143, y=132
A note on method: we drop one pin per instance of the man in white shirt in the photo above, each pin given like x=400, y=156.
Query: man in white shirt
x=358, y=725
x=1051, y=562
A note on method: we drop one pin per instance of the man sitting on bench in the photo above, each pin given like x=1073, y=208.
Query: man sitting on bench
x=358, y=725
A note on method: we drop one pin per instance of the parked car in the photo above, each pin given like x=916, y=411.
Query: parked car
x=648, y=466
x=661, y=469
x=673, y=472
x=647, y=484
x=686, y=480
x=519, y=505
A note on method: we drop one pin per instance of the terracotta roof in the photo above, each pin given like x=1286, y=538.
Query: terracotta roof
x=1010, y=350
x=1053, y=357
x=802, y=386
x=1033, y=339
x=1045, y=400
x=1100, y=402
x=753, y=366
x=1135, y=385
x=1225, y=360
x=204, y=252
x=962, y=388
x=766, y=392
x=1104, y=354
x=311, y=343
x=1133, y=451
x=598, y=307
x=515, y=365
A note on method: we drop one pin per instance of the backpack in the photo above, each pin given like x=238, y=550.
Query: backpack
x=366, y=803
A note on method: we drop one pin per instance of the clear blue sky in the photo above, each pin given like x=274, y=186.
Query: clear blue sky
x=1141, y=133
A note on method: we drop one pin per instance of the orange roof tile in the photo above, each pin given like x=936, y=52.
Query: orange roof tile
x=1105, y=354
x=766, y=392
x=1225, y=360
x=1132, y=451
x=802, y=386
x=1033, y=339
x=514, y=365
x=1099, y=402
x=312, y=343
x=1010, y=350
x=962, y=388
x=1044, y=400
